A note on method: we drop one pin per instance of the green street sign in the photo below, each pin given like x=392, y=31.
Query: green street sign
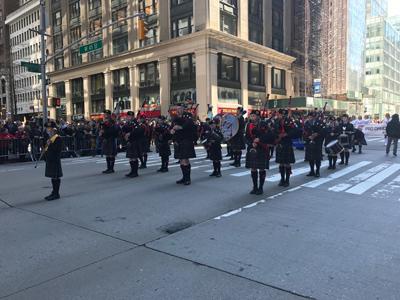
x=91, y=47
x=31, y=67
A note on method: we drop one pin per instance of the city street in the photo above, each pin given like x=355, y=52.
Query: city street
x=110, y=237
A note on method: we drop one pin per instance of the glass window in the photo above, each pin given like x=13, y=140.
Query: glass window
x=183, y=68
x=278, y=79
x=229, y=95
x=97, y=84
x=94, y=4
x=76, y=58
x=121, y=78
x=228, y=68
x=58, y=42
x=74, y=10
x=256, y=74
x=182, y=26
x=75, y=33
x=59, y=63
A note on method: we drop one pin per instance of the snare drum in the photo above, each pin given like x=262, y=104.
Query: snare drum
x=334, y=148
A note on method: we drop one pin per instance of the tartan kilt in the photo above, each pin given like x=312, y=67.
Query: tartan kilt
x=285, y=154
x=109, y=147
x=184, y=150
x=313, y=151
x=133, y=150
x=164, y=149
x=237, y=143
x=215, y=152
x=257, y=160
x=53, y=169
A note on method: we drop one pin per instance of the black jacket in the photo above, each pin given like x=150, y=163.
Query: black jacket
x=393, y=129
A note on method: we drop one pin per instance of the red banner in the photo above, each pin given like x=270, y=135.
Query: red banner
x=173, y=111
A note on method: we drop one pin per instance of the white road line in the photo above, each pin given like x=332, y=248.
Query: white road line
x=295, y=172
x=362, y=187
x=375, y=139
x=340, y=187
x=222, y=169
x=348, y=170
x=367, y=174
x=245, y=173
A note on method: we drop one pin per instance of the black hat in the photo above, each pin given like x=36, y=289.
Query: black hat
x=50, y=124
x=107, y=112
x=129, y=113
x=255, y=112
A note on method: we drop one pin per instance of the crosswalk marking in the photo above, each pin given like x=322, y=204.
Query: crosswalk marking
x=340, y=187
x=295, y=172
x=364, y=175
x=348, y=170
x=374, y=180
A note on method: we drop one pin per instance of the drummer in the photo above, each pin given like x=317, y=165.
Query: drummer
x=346, y=129
x=331, y=133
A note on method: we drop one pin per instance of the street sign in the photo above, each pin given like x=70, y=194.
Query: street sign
x=31, y=67
x=317, y=87
x=91, y=47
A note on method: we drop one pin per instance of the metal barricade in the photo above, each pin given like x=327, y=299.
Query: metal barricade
x=13, y=149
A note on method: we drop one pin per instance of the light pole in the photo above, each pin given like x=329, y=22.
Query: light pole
x=43, y=57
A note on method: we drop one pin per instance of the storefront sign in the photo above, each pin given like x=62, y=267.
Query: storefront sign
x=374, y=130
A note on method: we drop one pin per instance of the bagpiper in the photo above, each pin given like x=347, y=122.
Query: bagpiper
x=163, y=138
x=237, y=143
x=184, y=134
x=313, y=138
x=52, y=155
x=109, y=133
x=133, y=134
x=145, y=142
x=259, y=138
x=286, y=130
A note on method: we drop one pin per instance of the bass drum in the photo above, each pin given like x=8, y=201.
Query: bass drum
x=334, y=148
x=229, y=126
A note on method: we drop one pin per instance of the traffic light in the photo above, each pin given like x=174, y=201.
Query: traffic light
x=142, y=29
x=56, y=102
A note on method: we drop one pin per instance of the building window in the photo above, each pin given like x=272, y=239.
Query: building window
x=228, y=68
x=74, y=10
x=277, y=25
x=256, y=74
x=229, y=95
x=97, y=84
x=256, y=26
x=60, y=89
x=228, y=16
x=182, y=26
x=183, y=68
x=59, y=63
x=57, y=21
x=120, y=44
x=121, y=93
x=94, y=4
x=180, y=2
x=58, y=42
x=75, y=34
x=149, y=75
x=149, y=7
x=77, y=90
x=278, y=79
x=76, y=58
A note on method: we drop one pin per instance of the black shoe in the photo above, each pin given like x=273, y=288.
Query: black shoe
x=143, y=166
x=181, y=181
x=317, y=175
x=346, y=163
x=160, y=170
x=341, y=163
x=188, y=182
x=165, y=170
x=286, y=184
x=49, y=196
x=254, y=191
x=129, y=174
x=394, y=154
x=330, y=168
x=334, y=168
x=281, y=183
x=311, y=174
x=354, y=150
x=108, y=171
x=360, y=152
x=260, y=191
x=53, y=197
x=133, y=175
x=218, y=175
x=213, y=174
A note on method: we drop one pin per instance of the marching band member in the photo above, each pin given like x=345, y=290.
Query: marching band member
x=313, y=137
x=331, y=133
x=214, y=139
x=145, y=142
x=286, y=131
x=52, y=154
x=237, y=142
x=134, y=134
x=184, y=132
x=163, y=137
x=109, y=132
x=347, y=129
x=259, y=138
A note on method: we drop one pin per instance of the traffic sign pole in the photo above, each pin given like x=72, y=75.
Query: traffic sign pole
x=43, y=59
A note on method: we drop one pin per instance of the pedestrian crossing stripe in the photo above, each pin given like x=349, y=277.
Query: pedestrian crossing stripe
x=336, y=175
x=374, y=180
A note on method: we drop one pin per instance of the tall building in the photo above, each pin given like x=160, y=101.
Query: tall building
x=6, y=108
x=25, y=47
x=382, y=64
x=222, y=53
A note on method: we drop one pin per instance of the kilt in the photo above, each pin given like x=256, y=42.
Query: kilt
x=53, y=169
x=133, y=150
x=184, y=150
x=109, y=147
x=145, y=145
x=237, y=143
x=215, y=152
x=314, y=151
x=257, y=160
x=285, y=154
x=164, y=149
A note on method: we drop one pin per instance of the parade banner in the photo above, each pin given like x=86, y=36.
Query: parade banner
x=374, y=130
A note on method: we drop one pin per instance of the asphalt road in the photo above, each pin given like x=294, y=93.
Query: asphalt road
x=109, y=237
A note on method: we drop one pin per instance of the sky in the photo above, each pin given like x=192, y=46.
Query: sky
x=394, y=7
